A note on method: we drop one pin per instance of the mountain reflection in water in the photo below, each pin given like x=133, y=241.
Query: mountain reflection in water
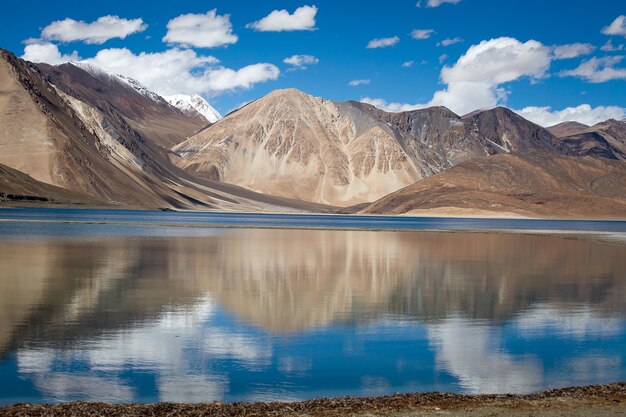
x=290, y=314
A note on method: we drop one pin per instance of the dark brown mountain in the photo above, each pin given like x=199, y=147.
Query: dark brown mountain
x=567, y=129
x=535, y=184
x=606, y=139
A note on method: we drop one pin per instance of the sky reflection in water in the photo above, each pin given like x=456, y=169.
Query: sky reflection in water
x=240, y=314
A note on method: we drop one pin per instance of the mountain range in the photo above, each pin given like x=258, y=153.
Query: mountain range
x=74, y=134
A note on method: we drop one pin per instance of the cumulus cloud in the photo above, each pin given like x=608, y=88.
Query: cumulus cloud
x=545, y=116
x=598, y=70
x=97, y=32
x=450, y=41
x=48, y=53
x=408, y=64
x=200, y=30
x=475, y=80
x=177, y=71
x=421, y=33
x=383, y=42
x=301, y=61
x=618, y=27
x=572, y=50
x=435, y=3
x=225, y=79
x=355, y=83
x=303, y=18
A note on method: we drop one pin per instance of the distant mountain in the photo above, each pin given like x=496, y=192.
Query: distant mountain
x=535, y=184
x=194, y=103
x=291, y=144
x=606, y=139
x=567, y=129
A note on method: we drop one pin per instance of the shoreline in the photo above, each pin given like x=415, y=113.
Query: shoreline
x=592, y=400
x=606, y=237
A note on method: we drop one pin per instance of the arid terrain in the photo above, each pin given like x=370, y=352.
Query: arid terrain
x=593, y=401
x=110, y=141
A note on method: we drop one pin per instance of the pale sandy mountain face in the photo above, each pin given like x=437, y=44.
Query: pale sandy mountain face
x=295, y=145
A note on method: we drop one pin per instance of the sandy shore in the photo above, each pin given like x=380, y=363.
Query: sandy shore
x=596, y=400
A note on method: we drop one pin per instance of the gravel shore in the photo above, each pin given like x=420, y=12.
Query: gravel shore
x=596, y=400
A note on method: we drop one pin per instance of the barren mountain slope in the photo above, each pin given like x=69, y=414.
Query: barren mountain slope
x=83, y=142
x=149, y=114
x=534, y=184
x=295, y=145
x=292, y=144
x=17, y=188
x=567, y=129
x=606, y=139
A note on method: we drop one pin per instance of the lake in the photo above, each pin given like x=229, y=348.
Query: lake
x=128, y=306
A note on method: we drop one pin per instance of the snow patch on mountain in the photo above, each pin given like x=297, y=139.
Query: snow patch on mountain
x=194, y=103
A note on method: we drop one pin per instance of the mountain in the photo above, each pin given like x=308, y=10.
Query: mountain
x=606, y=139
x=18, y=188
x=145, y=112
x=194, y=103
x=535, y=184
x=95, y=134
x=291, y=144
x=567, y=129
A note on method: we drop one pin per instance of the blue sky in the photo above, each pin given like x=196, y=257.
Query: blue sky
x=516, y=73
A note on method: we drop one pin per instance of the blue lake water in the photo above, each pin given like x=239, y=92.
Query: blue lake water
x=128, y=306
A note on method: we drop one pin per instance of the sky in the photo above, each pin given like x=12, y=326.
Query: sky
x=550, y=61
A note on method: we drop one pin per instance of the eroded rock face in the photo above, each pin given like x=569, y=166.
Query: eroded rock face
x=295, y=145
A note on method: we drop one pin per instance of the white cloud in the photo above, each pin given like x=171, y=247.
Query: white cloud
x=391, y=107
x=383, y=42
x=609, y=47
x=545, y=116
x=224, y=79
x=97, y=32
x=48, y=53
x=177, y=71
x=355, y=83
x=618, y=27
x=200, y=30
x=450, y=41
x=303, y=18
x=408, y=64
x=421, y=33
x=435, y=3
x=572, y=50
x=598, y=70
x=475, y=80
x=442, y=58
x=301, y=61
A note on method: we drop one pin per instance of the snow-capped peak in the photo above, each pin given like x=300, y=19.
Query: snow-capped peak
x=190, y=103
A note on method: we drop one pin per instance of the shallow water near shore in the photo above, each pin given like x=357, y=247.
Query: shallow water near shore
x=133, y=310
